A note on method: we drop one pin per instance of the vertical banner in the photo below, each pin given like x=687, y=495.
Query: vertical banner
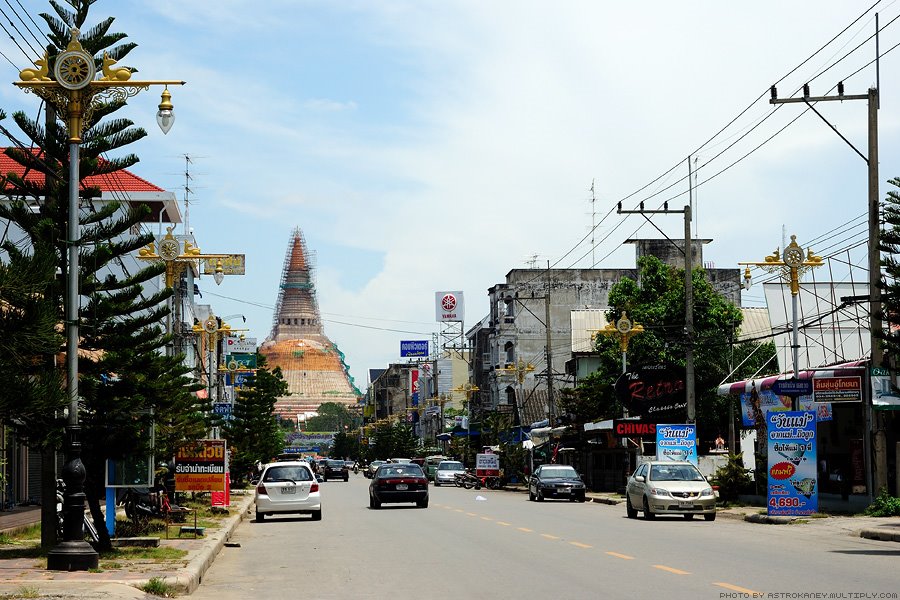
x=676, y=442
x=792, y=482
x=414, y=386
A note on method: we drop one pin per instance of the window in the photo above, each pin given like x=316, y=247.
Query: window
x=510, y=350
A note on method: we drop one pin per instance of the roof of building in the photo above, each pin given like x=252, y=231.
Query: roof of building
x=585, y=324
x=756, y=324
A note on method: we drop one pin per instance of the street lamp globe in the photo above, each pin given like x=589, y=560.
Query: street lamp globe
x=165, y=117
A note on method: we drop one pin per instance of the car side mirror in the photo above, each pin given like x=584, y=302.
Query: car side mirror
x=320, y=478
x=254, y=482
x=639, y=478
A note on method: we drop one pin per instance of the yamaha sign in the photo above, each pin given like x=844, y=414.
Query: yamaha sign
x=449, y=306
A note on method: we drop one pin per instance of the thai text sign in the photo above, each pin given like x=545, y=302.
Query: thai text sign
x=413, y=348
x=758, y=404
x=487, y=465
x=792, y=481
x=200, y=466
x=233, y=264
x=676, y=442
x=838, y=389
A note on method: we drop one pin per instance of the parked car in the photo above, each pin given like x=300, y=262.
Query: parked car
x=288, y=487
x=446, y=471
x=373, y=466
x=335, y=469
x=669, y=488
x=431, y=465
x=398, y=483
x=556, y=481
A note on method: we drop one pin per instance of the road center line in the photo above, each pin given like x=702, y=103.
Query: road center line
x=735, y=588
x=580, y=545
x=617, y=555
x=459, y=510
x=671, y=570
x=525, y=529
x=549, y=537
x=472, y=514
x=486, y=519
x=504, y=523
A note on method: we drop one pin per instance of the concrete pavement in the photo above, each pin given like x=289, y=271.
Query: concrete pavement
x=29, y=578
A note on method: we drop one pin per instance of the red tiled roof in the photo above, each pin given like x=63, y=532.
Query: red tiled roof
x=123, y=181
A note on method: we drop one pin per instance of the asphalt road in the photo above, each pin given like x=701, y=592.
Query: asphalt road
x=495, y=544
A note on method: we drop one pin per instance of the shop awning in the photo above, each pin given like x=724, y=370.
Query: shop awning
x=765, y=383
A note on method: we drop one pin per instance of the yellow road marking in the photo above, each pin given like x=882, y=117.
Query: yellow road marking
x=459, y=510
x=735, y=588
x=472, y=514
x=549, y=537
x=487, y=519
x=617, y=555
x=504, y=523
x=525, y=529
x=580, y=545
x=671, y=570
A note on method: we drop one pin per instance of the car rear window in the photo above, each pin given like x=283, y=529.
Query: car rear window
x=287, y=473
x=450, y=466
x=336, y=463
x=402, y=470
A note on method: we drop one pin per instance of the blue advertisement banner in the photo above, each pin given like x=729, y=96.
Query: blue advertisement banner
x=413, y=348
x=792, y=483
x=676, y=442
x=762, y=403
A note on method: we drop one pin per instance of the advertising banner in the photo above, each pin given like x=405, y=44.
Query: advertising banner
x=677, y=442
x=308, y=441
x=200, y=466
x=224, y=410
x=759, y=404
x=654, y=392
x=411, y=348
x=630, y=428
x=449, y=306
x=237, y=345
x=885, y=396
x=838, y=389
x=414, y=386
x=242, y=361
x=792, y=482
x=487, y=465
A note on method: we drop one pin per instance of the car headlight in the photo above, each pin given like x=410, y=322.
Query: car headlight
x=655, y=491
x=706, y=492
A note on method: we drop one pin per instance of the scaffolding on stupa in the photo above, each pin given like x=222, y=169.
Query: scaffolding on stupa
x=312, y=366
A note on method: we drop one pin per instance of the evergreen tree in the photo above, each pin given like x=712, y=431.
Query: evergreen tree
x=332, y=416
x=890, y=283
x=253, y=433
x=124, y=378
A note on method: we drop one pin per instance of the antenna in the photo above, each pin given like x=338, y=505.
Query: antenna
x=593, y=226
x=531, y=261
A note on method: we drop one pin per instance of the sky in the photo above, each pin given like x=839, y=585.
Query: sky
x=425, y=146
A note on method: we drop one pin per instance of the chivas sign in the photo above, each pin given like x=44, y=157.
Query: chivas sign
x=656, y=393
x=626, y=429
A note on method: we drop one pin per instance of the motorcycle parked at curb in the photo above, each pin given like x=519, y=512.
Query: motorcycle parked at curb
x=465, y=479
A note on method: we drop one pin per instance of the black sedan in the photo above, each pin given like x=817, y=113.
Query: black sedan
x=335, y=469
x=398, y=483
x=555, y=481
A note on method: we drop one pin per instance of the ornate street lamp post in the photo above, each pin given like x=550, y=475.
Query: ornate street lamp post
x=519, y=370
x=624, y=329
x=468, y=389
x=790, y=265
x=75, y=93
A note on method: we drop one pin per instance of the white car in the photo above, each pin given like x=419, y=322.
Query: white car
x=446, y=472
x=288, y=487
x=669, y=488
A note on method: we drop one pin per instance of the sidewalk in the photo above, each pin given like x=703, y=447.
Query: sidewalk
x=874, y=528
x=28, y=577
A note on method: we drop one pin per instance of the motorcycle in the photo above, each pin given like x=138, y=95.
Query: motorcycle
x=464, y=479
x=146, y=505
x=87, y=527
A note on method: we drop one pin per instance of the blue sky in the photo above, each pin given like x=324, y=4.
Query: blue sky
x=426, y=145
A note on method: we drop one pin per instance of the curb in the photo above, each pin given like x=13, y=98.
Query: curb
x=883, y=535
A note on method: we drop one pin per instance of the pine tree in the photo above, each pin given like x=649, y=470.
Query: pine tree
x=253, y=433
x=890, y=286
x=125, y=379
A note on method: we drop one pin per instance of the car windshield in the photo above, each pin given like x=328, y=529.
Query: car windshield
x=402, y=470
x=287, y=473
x=559, y=472
x=377, y=463
x=450, y=466
x=675, y=473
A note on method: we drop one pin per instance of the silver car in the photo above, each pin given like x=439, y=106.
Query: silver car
x=288, y=487
x=669, y=488
x=446, y=472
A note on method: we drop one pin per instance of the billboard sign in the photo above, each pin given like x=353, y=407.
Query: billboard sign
x=200, y=466
x=242, y=361
x=838, y=389
x=792, y=481
x=413, y=348
x=449, y=306
x=677, y=442
x=656, y=393
x=240, y=345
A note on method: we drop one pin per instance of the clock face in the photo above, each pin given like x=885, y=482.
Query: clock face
x=623, y=325
x=74, y=70
x=168, y=249
x=210, y=325
x=793, y=256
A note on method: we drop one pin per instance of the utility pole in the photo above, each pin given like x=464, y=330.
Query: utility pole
x=875, y=422
x=551, y=401
x=688, y=301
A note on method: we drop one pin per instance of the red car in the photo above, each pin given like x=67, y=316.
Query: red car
x=398, y=483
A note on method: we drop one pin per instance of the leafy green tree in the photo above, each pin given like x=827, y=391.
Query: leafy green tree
x=393, y=440
x=332, y=416
x=253, y=433
x=344, y=445
x=657, y=303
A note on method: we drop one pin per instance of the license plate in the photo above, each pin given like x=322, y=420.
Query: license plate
x=563, y=491
x=685, y=505
x=289, y=490
x=402, y=487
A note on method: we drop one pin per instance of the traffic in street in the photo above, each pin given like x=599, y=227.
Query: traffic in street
x=485, y=543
